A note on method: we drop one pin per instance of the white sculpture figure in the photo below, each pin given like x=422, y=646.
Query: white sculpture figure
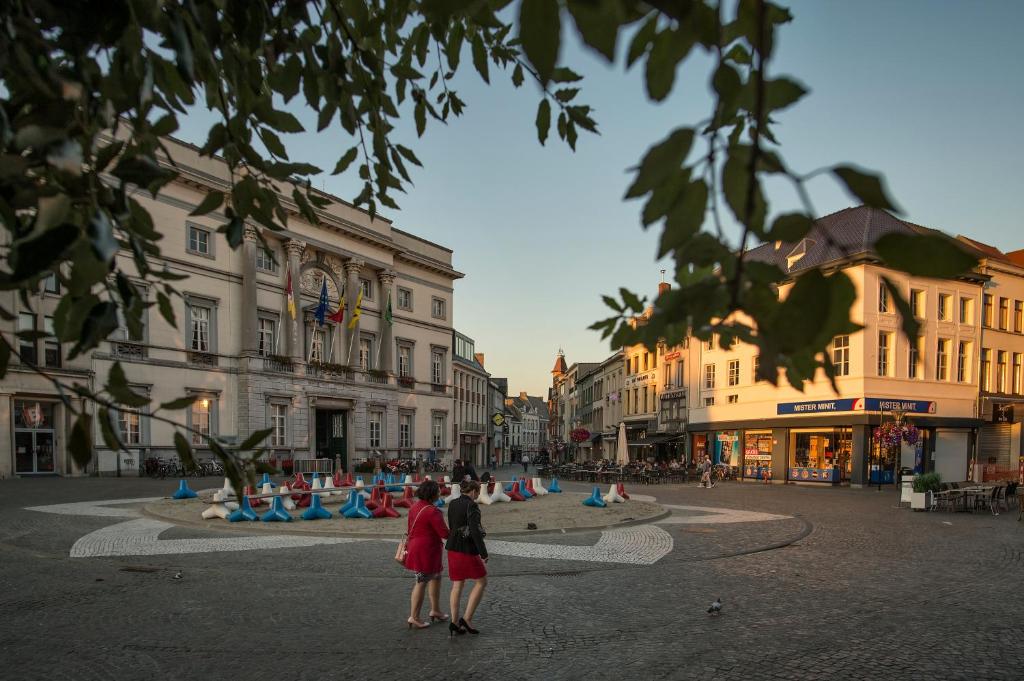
x=613, y=496
x=456, y=493
x=267, y=489
x=286, y=498
x=484, y=497
x=447, y=480
x=408, y=480
x=499, y=494
x=329, y=489
x=228, y=489
x=220, y=496
x=539, y=488
x=317, y=484
x=218, y=509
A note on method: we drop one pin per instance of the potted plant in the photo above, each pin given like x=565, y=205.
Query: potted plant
x=924, y=486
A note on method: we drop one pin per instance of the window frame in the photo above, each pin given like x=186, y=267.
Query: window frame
x=375, y=417
x=438, y=427
x=398, y=302
x=985, y=370
x=966, y=310
x=987, y=310
x=401, y=343
x=51, y=344
x=733, y=370
x=883, y=298
x=709, y=376
x=840, y=355
x=1004, y=314
x=917, y=303
x=199, y=229
x=406, y=440
x=438, y=369
x=27, y=346
x=942, y=359
x=964, y=351
x=265, y=260
x=884, y=348
x=212, y=414
x=202, y=302
x=274, y=320
x=366, y=286
x=943, y=307
x=273, y=405
x=438, y=304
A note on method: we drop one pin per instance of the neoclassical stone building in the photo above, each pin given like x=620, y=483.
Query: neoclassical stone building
x=341, y=389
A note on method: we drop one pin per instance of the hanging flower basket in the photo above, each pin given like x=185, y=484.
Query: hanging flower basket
x=891, y=434
x=579, y=435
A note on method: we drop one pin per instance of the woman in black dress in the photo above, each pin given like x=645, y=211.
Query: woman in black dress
x=466, y=555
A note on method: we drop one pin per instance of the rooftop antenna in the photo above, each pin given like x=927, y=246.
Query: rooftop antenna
x=663, y=276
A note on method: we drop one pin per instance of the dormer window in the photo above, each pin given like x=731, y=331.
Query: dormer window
x=798, y=252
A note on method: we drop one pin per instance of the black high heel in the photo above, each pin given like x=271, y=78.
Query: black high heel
x=465, y=625
x=454, y=628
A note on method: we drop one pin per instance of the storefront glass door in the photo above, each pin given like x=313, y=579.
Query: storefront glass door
x=33, y=438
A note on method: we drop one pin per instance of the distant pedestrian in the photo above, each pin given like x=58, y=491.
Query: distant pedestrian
x=526, y=463
x=466, y=557
x=470, y=471
x=705, y=476
x=458, y=471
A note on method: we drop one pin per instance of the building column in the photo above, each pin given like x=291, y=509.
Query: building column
x=6, y=442
x=338, y=337
x=859, y=456
x=780, y=454
x=293, y=327
x=387, y=353
x=250, y=335
x=352, y=270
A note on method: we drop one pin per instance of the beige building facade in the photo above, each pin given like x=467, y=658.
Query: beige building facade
x=341, y=389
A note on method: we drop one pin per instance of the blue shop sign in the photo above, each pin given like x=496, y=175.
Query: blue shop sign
x=889, y=404
x=818, y=407
x=800, y=474
x=857, y=404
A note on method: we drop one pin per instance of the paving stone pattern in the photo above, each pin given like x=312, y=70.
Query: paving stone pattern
x=870, y=592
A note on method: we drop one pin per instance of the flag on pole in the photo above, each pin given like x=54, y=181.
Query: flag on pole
x=291, y=296
x=357, y=311
x=321, y=308
x=388, y=317
x=339, y=316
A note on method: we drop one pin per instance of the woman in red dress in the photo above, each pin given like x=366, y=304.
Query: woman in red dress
x=426, y=532
x=466, y=556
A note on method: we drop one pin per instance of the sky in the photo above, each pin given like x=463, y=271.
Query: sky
x=929, y=93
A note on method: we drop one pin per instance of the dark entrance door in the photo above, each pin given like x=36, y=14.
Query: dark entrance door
x=331, y=431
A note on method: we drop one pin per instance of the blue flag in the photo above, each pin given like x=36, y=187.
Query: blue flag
x=321, y=309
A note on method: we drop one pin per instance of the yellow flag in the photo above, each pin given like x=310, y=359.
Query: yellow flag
x=357, y=311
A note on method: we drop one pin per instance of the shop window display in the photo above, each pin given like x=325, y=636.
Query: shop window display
x=757, y=455
x=823, y=456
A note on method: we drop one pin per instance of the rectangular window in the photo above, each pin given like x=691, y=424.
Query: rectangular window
x=278, y=425
x=437, y=308
x=916, y=358
x=942, y=360
x=917, y=303
x=51, y=284
x=1017, y=387
x=199, y=326
x=963, y=362
x=883, y=297
x=376, y=429
x=647, y=361
x=668, y=375
x=316, y=346
x=365, y=353
x=265, y=260
x=734, y=372
x=636, y=364
x=366, y=286
x=636, y=400
x=437, y=436
x=967, y=310
x=405, y=422
x=709, y=376
x=267, y=330
x=1018, y=316
x=986, y=369
x=198, y=240
x=841, y=355
x=755, y=378
x=733, y=399
x=986, y=310
x=1001, y=371
x=404, y=299
x=27, y=346
x=130, y=426
x=709, y=401
x=884, y=347
x=51, y=346
x=404, y=360
x=200, y=421
x=679, y=374
x=943, y=312
x=437, y=367
x=710, y=344
x=1004, y=314
x=645, y=401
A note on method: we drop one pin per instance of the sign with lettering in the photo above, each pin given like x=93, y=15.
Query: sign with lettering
x=641, y=379
x=857, y=404
x=818, y=407
x=673, y=355
x=889, y=404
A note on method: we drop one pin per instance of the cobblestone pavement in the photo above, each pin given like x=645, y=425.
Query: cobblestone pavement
x=843, y=586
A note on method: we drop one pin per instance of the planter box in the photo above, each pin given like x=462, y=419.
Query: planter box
x=920, y=501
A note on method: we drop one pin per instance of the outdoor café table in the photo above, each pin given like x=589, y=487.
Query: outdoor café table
x=952, y=495
x=977, y=491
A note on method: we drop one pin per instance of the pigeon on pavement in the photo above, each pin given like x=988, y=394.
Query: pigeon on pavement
x=716, y=607
x=177, y=575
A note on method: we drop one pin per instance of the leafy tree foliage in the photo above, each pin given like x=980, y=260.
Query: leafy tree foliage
x=90, y=88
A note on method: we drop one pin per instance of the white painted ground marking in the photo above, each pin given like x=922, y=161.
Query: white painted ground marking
x=640, y=545
x=716, y=516
x=141, y=537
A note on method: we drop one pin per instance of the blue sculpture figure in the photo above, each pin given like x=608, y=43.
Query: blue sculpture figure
x=508, y=487
x=243, y=512
x=553, y=488
x=276, y=513
x=266, y=481
x=527, y=494
x=358, y=510
x=595, y=499
x=316, y=510
x=393, y=485
x=184, y=492
x=439, y=503
x=350, y=503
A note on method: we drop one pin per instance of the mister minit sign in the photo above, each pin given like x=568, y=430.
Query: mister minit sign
x=879, y=404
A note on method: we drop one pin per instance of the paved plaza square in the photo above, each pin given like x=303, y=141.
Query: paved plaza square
x=816, y=584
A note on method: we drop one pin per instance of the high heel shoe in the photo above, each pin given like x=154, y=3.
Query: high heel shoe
x=465, y=627
x=438, y=618
x=416, y=624
x=454, y=628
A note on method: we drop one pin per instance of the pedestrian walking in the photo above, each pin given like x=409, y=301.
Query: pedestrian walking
x=470, y=471
x=467, y=556
x=458, y=471
x=705, y=476
x=526, y=463
x=426, y=532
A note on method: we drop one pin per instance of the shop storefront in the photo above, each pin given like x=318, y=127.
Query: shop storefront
x=727, y=448
x=757, y=454
x=698, y=448
x=820, y=455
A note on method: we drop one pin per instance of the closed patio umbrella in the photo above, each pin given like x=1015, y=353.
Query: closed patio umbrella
x=622, y=448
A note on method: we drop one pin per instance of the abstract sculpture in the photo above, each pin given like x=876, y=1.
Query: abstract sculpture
x=595, y=499
x=515, y=494
x=183, y=491
x=358, y=510
x=538, y=488
x=276, y=513
x=408, y=498
x=243, y=512
x=316, y=510
x=554, y=488
x=386, y=508
x=613, y=496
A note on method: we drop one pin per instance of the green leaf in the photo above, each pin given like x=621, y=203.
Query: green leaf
x=480, y=58
x=39, y=252
x=256, y=438
x=781, y=93
x=234, y=230
x=273, y=143
x=180, y=403
x=282, y=121
x=101, y=236
x=612, y=303
x=736, y=181
x=305, y=209
x=661, y=161
x=908, y=322
x=166, y=309
x=420, y=113
x=185, y=455
x=108, y=430
x=144, y=171
x=564, y=75
x=81, y=440
x=99, y=323
x=925, y=255
x=642, y=40
x=865, y=186
x=685, y=218
x=117, y=386
x=211, y=202
x=540, y=27
x=669, y=48
x=106, y=154
x=345, y=161
x=631, y=300
x=543, y=120
x=408, y=155
x=566, y=94
x=401, y=70
x=517, y=75
x=790, y=227
x=598, y=24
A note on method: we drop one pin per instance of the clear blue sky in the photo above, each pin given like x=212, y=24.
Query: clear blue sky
x=930, y=93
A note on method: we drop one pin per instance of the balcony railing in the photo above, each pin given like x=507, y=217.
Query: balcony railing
x=470, y=427
x=282, y=365
x=202, y=358
x=438, y=387
x=406, y=381
x=330, y=371
x=127, y=350
x=378, y=378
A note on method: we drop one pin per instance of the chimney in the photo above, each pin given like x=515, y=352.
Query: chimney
x=479, y=357
x=522, y=395
x=664, y=286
